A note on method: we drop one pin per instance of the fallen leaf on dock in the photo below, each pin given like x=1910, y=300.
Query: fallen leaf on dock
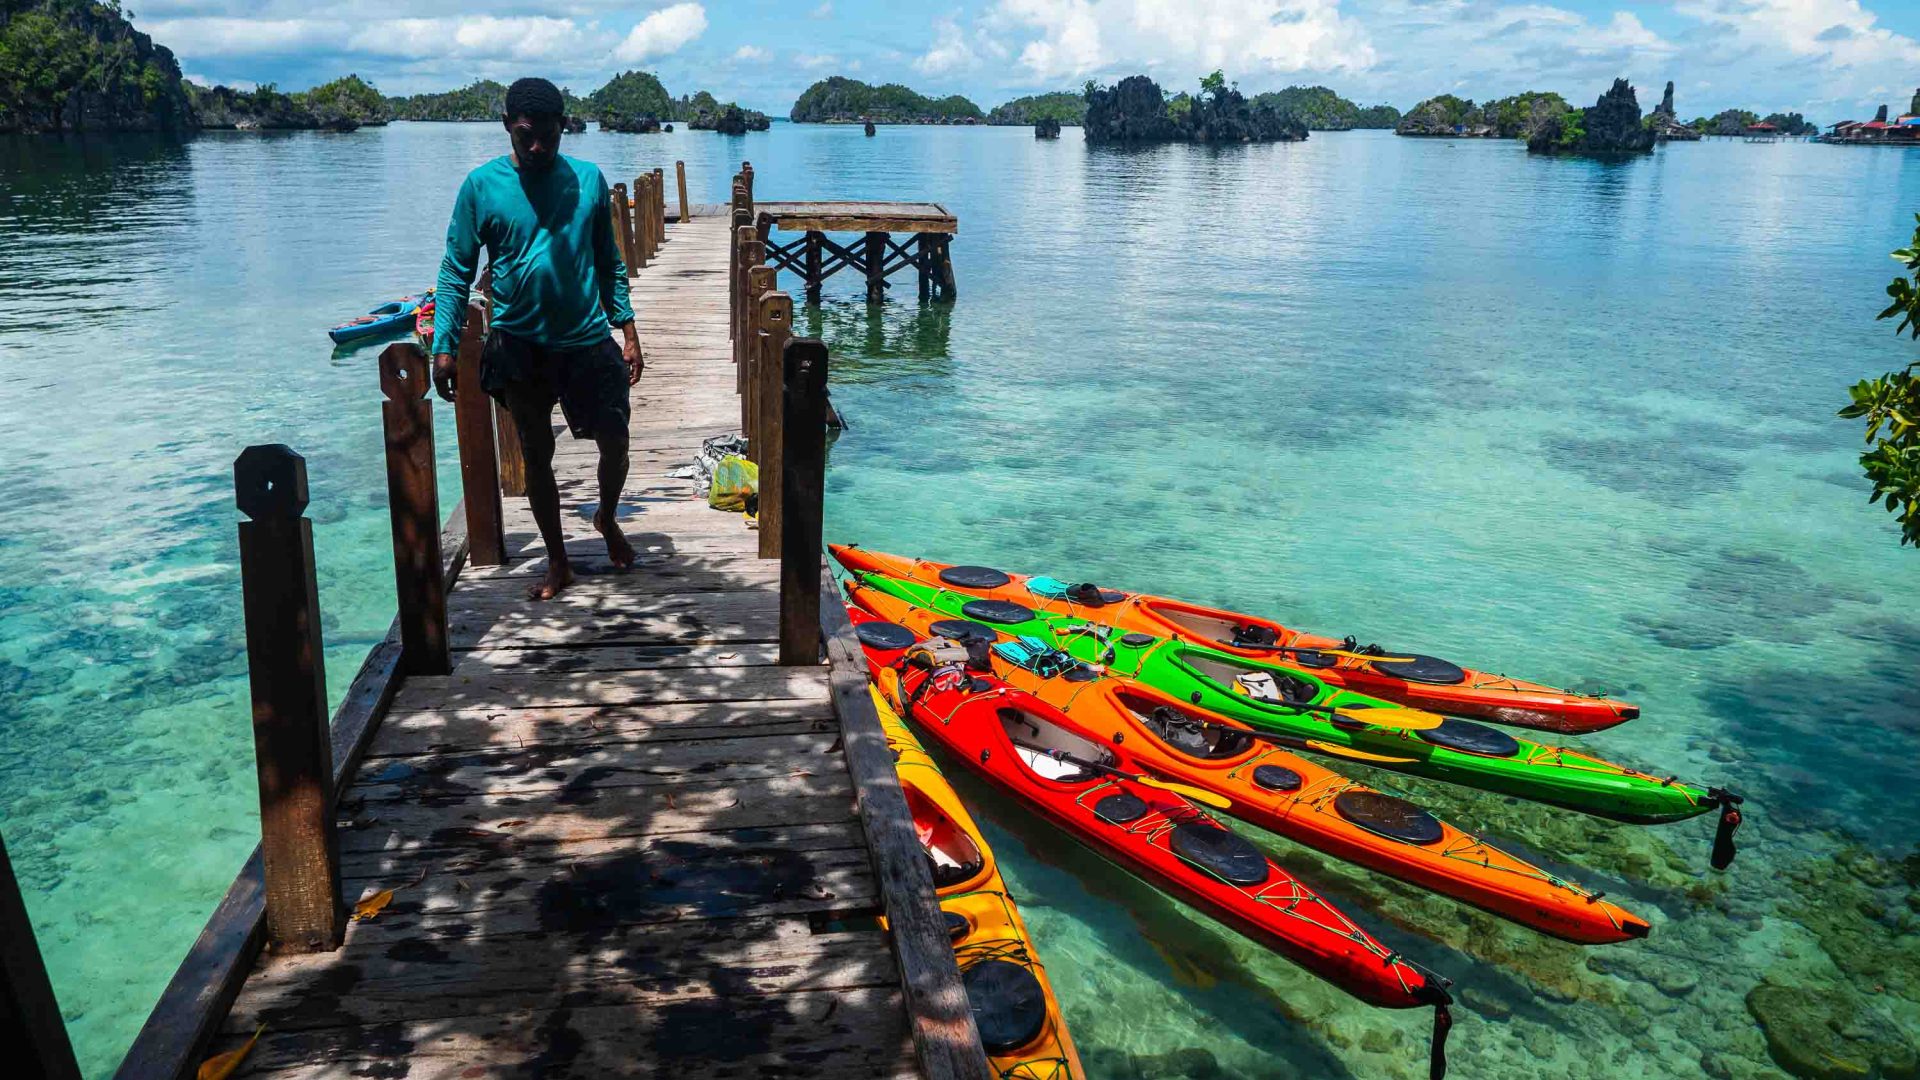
x=729, y=656
x=372, y=905
x=514, y=824
x=221, y=1066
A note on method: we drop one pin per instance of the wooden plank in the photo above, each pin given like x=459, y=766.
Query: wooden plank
x=601, y=767
x=563, y=817
x=638, y=966
x=530, y=689
x=446, y=730
x=944, y=1035
x=853, y=1033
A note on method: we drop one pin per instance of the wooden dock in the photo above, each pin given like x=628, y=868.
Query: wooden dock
x=621, y=837
x=815, y=257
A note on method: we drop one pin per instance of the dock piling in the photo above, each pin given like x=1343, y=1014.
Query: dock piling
x=293, y=749
x=659, y=207
x=760, y=280
x=776, y=321
x=479, y=465
x=680, y=176
x=802, y=479
x=876, y=265
x=622, y=234
x=413, y=502
x=30, y=1023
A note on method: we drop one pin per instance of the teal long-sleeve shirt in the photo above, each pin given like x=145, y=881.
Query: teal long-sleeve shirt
x=557, y=276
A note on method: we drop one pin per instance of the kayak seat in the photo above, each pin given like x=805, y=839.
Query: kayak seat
x=1004, y=612
x=1009, y=1006
x=1276, y=778
x=1189, y=737
x=884, y=635
x=1255, y=635
x=948, y=872
x=1423, y=669
x=1221, y=852
x=1471, y=738
x=1311, y=659
x=1050, y=768
x=974, y=577
x=1394, y=818
x=1120, y=808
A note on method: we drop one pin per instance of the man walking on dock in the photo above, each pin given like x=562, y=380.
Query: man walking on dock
x=558, y=287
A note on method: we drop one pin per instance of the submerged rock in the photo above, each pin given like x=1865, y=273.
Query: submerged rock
x=1830, y=1033
x=1665, y=125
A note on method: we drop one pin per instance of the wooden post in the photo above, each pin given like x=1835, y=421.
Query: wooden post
x=293, y=748
x=622, y=236
x=659, y=207
x=742, y=238
x=803, y=467
x=923, y=262
x=760, y=280
x=680, y=176
x=746, y=174
x=30, y=1024
x=479, y=467
x=945, y=268
x=733, y=254
x=653, y=226
x=413, y=502
x=813, y=266
x=876, y=253
x=776, y=323
x=513, y=458
x=641, y=241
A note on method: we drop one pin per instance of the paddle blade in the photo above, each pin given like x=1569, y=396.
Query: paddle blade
x=1199, y=795
x=1357, y=755
x=1382, y=716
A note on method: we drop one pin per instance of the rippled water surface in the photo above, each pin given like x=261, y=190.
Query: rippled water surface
x=1564, y=419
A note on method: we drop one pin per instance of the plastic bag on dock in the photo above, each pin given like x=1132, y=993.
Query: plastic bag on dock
x=736, y=485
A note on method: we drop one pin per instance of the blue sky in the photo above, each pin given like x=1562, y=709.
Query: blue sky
x=1828, y=58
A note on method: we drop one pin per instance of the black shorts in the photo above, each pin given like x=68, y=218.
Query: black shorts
x=589, y=382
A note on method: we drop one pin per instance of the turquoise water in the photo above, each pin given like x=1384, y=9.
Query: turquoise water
x=1565, y=419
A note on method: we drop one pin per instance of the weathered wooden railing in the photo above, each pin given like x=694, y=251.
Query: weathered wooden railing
x=782, y=382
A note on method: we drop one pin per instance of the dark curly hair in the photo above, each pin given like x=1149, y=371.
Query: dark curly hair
x=534, y=98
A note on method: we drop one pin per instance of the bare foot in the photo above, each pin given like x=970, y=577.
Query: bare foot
x=559, y=576
x=618, y=550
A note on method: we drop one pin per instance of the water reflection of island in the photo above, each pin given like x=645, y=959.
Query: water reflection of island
x=879, y=342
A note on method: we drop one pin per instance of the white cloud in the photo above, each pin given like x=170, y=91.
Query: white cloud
x=223, y=36
x=1244, y=37
x=824, y=11
x=662, y=32
x=530, y=37
x=751, y=53
x=950, y=52
x=815, y=61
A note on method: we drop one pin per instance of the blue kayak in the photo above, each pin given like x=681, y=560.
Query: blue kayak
x=385, y=319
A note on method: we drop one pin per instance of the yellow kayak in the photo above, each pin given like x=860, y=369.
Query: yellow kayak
x=1013, y=1002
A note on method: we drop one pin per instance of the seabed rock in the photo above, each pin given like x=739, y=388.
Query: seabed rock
x=1830, y=1033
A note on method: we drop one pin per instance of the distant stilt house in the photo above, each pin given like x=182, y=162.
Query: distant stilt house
x=1762, y=132
x=1879, y=131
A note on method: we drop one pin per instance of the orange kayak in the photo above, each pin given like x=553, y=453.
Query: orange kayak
x=1281, y=791
x=1013, y=1002
x=1423, y=682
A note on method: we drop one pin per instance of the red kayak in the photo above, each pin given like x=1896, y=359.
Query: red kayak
x=1423, y=682
x=1093, y=792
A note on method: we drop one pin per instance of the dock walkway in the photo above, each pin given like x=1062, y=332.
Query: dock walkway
x=618, y=834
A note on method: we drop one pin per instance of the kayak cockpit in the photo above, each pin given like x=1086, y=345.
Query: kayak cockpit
x=1257, y=681
x=1035, y=739
x=951, y=854
x=1184, y=734
x=1212, y=624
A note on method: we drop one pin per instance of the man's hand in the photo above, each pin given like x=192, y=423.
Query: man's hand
x=630, y=352
x=444, y=368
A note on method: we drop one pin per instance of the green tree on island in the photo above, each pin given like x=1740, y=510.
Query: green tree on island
x=1890, y=404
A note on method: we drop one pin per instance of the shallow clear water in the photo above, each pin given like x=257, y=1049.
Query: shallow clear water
x=1565, y=419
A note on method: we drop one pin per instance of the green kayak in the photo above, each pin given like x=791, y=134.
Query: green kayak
x=1294, y=704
